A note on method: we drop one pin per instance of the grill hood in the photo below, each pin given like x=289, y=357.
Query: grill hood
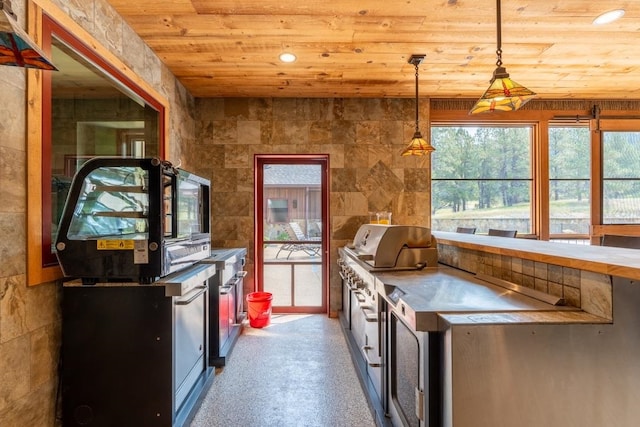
x=395, y=246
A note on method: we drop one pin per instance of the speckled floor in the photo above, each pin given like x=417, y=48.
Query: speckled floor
x=295, y=372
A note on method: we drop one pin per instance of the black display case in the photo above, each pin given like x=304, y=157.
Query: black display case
x=133, y=219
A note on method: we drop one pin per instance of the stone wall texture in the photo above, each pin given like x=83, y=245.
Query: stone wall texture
x=30, y=317
x=362, y=137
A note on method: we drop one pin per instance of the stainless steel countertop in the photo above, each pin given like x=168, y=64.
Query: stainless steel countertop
x=183, y=281
x=175, y=284
x=432, y=292
x=223, y=254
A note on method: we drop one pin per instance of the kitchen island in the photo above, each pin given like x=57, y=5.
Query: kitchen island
x=571, y=365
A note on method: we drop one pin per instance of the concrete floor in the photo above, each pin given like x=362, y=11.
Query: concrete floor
x=295, y=372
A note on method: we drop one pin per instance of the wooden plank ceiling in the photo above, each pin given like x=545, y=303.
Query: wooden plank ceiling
x=360, y=48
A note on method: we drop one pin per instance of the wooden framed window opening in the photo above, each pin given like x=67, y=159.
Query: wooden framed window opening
x=46, y=21
x=542, y=120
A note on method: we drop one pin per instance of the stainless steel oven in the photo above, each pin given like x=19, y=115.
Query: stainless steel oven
x=415, y=376
x=190, y=334
x=226, y=302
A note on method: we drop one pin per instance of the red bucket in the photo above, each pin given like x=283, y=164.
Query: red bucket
x=259, y=309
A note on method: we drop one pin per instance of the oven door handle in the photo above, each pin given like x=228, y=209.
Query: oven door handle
x=224, y=290
x=365, y=352
x=359, y=296
x=200, y=289
x=238, y=277
x=368, y=317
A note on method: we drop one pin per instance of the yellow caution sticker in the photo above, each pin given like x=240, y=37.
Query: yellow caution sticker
x=116, y=244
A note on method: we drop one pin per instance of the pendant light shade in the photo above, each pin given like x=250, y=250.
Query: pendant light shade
x=503, y=93
x=16, y=47
x=418, y=145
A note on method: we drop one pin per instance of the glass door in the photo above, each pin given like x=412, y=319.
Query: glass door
x=291, y=233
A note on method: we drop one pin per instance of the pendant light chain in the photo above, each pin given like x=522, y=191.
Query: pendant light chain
x=499, y=34
x=417, y=115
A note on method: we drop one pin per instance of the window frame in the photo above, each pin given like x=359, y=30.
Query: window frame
x=620, y=116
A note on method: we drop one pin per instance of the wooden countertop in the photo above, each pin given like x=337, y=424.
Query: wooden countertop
x=613, y=261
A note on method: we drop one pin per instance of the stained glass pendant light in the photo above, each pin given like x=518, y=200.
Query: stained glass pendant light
x=16, y=47
x=503, y=94
x=418, y=145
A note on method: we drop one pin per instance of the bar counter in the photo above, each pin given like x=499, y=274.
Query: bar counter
x=608, y=260
x=584, y=276
x=567, y=368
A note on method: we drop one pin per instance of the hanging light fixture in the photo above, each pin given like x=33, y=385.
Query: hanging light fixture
x=418, y=145
x=16, y=47
x=503, y=94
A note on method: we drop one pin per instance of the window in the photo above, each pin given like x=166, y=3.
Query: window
x=569, y=181
x=93, y=106
x=278, y=211
x=91, y=115
x=621, y=177
x=482, y=176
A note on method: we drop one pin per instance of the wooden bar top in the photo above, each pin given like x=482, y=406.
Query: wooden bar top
x=608, y=260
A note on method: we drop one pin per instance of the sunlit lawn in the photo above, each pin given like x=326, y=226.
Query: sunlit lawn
x=558, y=209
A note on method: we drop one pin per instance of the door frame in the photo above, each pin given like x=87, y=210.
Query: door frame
x=291, y=159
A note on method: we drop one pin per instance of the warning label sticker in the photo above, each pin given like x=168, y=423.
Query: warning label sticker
x=110, y=245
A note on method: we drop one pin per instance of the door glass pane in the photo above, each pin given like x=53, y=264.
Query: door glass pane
x=277, y=281
x=308, y=285
x=292, y=233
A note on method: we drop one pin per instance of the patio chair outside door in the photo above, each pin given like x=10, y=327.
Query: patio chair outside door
x=291, y=236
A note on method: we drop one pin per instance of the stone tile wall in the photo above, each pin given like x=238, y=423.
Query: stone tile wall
x=584, y=289
x=363, y=138
x=30, y=316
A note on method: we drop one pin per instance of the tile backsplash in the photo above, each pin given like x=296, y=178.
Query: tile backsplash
x=589, y=291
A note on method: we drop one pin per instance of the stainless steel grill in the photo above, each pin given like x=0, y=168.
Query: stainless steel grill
x=394, y=247
x=378, y=248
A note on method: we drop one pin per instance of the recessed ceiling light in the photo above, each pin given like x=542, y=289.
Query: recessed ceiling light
x=287, y=57
x=608, y=17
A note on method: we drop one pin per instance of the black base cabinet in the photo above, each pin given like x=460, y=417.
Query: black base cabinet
x=119, y=356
